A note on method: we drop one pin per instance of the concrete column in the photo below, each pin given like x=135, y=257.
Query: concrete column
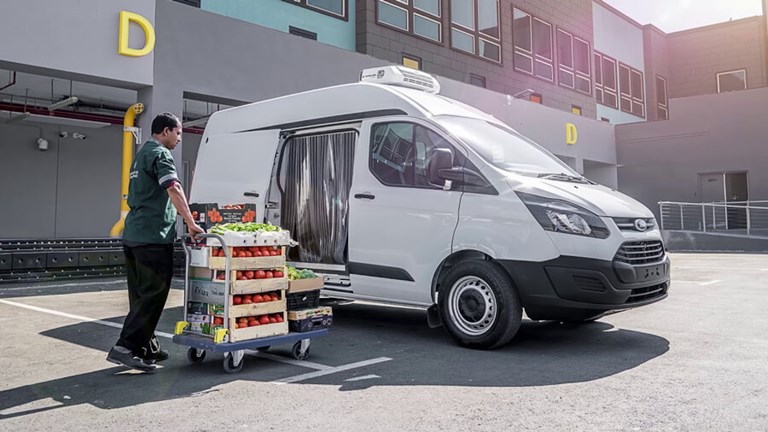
x=156, y=100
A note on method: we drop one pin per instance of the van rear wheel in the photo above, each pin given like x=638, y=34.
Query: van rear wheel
x=479, y=305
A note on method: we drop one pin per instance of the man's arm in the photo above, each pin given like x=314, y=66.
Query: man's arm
x=179, y=200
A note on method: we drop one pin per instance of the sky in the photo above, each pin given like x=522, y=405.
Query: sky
x=676, y=15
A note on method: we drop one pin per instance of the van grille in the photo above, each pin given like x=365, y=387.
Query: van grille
x=643, y=252
x=647, y=293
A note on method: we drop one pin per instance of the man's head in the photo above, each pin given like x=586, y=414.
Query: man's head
x=166, y=129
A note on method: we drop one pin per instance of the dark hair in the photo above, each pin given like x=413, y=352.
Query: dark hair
x=165, y=120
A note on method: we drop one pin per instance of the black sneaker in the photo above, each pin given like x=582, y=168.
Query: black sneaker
x=157, y=356
x=128, y=359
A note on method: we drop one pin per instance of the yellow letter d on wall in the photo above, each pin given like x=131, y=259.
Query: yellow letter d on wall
x=571, y=135
x=149, y=35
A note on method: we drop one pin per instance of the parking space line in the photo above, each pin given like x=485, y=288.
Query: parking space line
x=334, y=370
x=321, y=369
x=712, y=282
x=80, y=284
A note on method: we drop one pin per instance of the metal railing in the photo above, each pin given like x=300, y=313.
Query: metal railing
x=748, y=218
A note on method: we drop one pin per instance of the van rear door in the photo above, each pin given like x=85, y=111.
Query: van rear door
x=235, y=168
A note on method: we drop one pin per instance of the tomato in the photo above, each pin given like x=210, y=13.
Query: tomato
x=248, y=254
x=241, y=254
x=247, y=297
x=242, y=321
x=265, y=250
x=258, y=298
x=253, y=249
x=272, y=320
x=253, y=323
x=268, y=274
x=277, y=274
x=218, y=320
x=257, y=253
x=238, y=273
x=260, y=274
x=237, y=300
x=249, y=274
x=263, y=319
x=279, y=318
x=247, y=301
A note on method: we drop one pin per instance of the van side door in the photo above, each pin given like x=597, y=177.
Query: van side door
x=402, y=219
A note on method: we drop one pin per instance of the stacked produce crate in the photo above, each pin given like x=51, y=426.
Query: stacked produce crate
x=255, y=306
x=304, y=311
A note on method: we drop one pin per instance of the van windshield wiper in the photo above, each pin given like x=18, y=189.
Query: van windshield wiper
x=565, y=177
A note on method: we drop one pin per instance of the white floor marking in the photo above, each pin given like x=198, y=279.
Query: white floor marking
x=66, y=285
x=341, y=368
x=712, y=282
x=321, y=369
x=361, y=378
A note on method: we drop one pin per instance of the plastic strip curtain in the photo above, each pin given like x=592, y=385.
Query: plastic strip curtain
x=315, y=200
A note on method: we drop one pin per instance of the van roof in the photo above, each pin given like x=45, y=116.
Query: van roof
x=339, y=103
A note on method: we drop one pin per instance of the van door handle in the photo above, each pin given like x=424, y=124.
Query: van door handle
x=251, y=194
x=365, y=196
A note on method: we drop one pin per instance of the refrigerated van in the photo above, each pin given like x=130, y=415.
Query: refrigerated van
x=401, y=196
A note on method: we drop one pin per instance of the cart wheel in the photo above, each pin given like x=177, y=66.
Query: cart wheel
x=263, y=349
x=297, y=353
x=195, y=355
x=230, y=366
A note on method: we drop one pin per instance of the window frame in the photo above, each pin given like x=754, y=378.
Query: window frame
x=344, y=3
x=600, y=86
x=478, y=78
x=717, y=79
x=476, y=34
x=411, y=11
x=531, y=54
x=630, y=95
x=572, y=70
x=662, y=106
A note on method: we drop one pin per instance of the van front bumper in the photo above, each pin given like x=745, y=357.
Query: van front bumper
x=573, y=288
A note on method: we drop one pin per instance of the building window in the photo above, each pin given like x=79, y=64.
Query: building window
x=533, y=52
x=606, y=91
x=335, y=8
x=412, y=62
x=477, y=80
x=573, y=65
x=662, y=99
x=575, y=109
x=475, y=28
x=605, y=119
x=194, y=3
x=420, y=18
x=732, y=81
x=536, y=98
x=631, y=94
x=302, y=33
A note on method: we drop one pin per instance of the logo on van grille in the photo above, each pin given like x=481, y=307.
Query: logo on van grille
x=641, y=225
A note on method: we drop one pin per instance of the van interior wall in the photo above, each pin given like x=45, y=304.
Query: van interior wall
x=70, y=190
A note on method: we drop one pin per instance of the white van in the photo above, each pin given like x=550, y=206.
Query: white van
x=402, y=196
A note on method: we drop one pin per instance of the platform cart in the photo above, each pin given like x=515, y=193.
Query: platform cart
x=223, y=340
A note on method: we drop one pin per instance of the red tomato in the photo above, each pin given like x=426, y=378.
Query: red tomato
x=279, y=318
x=277, y=274
x=253, y=323
x=265, y=249
x=237, y=300
x=273, y=320
x=258, y=298
x=241, y=254
x=239, y=274
x=247, y=297
x=268, y=274
x=242, y=321
x=260, y=274
x=257, y=253
x=249, y=274
x=247, y=254
x=247, y=301
x=218, y=320
x=263, y=319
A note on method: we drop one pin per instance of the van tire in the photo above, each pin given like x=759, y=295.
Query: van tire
x=479, y=305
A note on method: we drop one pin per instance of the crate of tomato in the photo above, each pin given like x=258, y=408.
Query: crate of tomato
x=247, y=257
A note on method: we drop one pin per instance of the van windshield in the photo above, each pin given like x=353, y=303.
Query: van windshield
x=504, y=148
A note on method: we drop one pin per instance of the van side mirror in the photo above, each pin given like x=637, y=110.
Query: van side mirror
x=463, y=176
x=442, y=159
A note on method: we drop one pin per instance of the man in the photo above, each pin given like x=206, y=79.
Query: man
x=154, y=197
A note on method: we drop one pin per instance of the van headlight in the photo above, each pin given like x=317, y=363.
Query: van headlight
x=563, y=217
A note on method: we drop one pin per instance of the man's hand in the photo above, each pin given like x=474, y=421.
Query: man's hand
x=193, y=230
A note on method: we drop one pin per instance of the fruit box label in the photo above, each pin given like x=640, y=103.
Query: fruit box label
x=206, y=292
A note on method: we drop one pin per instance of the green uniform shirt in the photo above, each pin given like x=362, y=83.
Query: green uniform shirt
x=152, y=216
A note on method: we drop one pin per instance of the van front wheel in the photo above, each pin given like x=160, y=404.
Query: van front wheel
x=479, y=305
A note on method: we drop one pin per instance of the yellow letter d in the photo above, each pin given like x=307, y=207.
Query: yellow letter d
x=146, y=26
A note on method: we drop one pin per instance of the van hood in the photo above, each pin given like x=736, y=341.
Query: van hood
x=599, y=199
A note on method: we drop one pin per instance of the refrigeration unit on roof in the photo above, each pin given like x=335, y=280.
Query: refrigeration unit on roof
x=401, y=76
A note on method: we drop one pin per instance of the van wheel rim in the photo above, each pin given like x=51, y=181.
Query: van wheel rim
x=472, y=305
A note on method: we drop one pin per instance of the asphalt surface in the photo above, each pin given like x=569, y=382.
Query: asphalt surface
x=697, y=361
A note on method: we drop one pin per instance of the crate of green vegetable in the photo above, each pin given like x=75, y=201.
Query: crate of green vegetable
x=303, y=280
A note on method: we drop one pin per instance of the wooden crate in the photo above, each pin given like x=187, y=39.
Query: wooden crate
x=259, y=331
x=254, y=286
x=254, y=309
x=300, y=285
x=255, y=263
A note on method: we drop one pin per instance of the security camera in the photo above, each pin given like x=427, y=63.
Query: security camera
x=42, y=144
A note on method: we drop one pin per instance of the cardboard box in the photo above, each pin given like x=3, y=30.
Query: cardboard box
x=210, y=214
x=300, y=285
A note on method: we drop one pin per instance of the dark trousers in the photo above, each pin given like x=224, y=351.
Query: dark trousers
x=150, y=270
